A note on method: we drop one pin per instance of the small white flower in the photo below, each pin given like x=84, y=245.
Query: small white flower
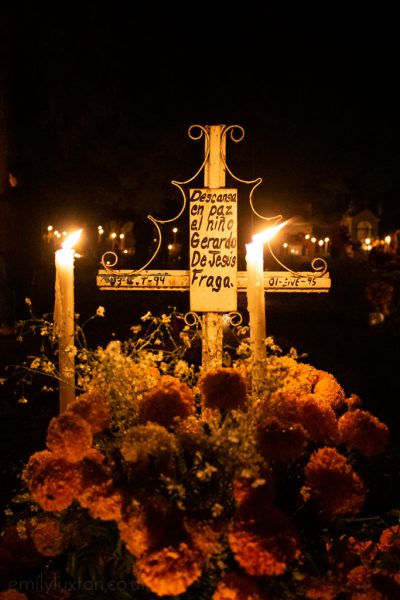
x=182, y=369
x=185, y=339
x=207, y=472
x=100, y=312
x=136, y=329
x=48, y=367
x=35, y=364
x=147, y=316
x=258, y=482
x=217, y=509
x=71, y=350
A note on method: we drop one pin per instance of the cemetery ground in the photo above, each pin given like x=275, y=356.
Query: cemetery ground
x=331, y=331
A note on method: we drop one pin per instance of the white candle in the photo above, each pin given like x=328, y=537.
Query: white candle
x=256, y=298
x=256, y=301
x=64, y=318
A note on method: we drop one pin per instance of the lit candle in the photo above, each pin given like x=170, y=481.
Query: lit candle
x=64, y=317
x=256, y=299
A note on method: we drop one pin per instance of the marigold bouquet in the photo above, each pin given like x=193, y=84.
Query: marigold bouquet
x=159, y=482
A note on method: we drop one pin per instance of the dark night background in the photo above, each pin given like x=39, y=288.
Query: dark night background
x=95, y=104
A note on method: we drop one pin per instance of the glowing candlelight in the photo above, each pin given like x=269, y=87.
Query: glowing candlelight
x=256, y=293
x=64, y=317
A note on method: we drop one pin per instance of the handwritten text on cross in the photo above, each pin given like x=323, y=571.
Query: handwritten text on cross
x=213, y=249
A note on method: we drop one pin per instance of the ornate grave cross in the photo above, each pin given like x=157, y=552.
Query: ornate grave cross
x=212, y=279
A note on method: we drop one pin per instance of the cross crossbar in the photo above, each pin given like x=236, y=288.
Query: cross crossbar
x=179, y=281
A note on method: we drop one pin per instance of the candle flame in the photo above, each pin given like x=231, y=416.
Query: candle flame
x=268, y=234
x=72, y=239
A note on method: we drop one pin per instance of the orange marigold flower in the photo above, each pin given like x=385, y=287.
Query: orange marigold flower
x=329, y=390
x=53, y=482
x=353, y=401
x=360, y=580
x=167, y=403
x=143, y=444
x=359, y=577
x=58, y=483
x=11, y=594
x=169, y=571
x=307, y=373
x=390, y=539
x=262, y=538
x=370, y=594
x=36, y=462
x=251, y=553
x=333, y=483
x=321, y=590
x=98, y=492
x=278, y=440
x=365, y=550
x=93, y=408
x=102, y=501
x=363, y=431
x=235, y=587
x=47, y=537
x=69, y=436
x=223, y=389
x=134, y=531
x=318, y=418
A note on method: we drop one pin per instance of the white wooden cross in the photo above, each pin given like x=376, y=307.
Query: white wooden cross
x=212, y=280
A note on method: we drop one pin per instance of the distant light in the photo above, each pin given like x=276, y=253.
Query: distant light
x=320, y=242
x=170, y=246
x=388, y=239
x=125, y=252
x=175, y=230
x=313, y=239
x=368, y=241
x=307, y=236
x=64, y=233
x=100, y=227
x=50, y=228
x=369, y=247
x=326, y=240
x=285, y=245
x=113, y=235
x=121, y=236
